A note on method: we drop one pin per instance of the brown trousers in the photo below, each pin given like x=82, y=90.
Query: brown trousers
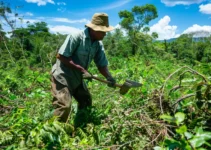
x=62, y=99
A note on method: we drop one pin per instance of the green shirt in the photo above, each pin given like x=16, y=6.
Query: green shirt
x=82, y=51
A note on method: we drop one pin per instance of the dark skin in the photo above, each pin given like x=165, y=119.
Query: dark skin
x=95, y=36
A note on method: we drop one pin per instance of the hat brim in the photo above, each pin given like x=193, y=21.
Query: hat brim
x=99, y=28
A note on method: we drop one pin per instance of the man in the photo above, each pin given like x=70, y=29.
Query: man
x=73, y=60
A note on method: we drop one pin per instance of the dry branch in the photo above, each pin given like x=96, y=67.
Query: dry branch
x=182, y=98
x=164, y=85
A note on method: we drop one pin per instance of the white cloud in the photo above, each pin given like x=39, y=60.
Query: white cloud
x=42, y=18
x=20, y=21
x=61, y=3
x=70, y=21
x=11, y=15
x=31, y=21
x=114, y=5
x=40, y=2
x=181, y=2
x=205, y=9
x=29, y=14
x=118, y=26
x=63, y=29
x=164, y=30
x=198, y=31
x=61, y=9
x=24, y=22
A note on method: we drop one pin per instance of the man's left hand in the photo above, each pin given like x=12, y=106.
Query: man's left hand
x=111, y=81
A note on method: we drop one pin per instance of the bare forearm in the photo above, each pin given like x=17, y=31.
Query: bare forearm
x=69, y=62
x=104, y=71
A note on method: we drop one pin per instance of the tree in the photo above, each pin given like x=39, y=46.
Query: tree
x=38, y=27
x=116, y=43
x=135, y=20
x=4, y=9
x=154, y=35
x=207, y=52
x=146, y=29
x=200, y=50
x=2, y=34
x=138, y=17
x=182, y=48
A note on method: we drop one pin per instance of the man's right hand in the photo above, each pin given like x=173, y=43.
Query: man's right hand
x=87, y=75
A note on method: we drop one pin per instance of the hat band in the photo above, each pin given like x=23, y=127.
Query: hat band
x=103, y=21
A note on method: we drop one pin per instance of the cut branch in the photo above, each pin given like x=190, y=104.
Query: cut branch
x=182, y=98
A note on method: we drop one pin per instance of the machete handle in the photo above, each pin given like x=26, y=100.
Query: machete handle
x=104, y=81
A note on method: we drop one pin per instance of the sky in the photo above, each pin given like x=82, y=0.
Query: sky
x=175, y=17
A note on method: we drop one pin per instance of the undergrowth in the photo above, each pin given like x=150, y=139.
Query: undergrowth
x=170, y=111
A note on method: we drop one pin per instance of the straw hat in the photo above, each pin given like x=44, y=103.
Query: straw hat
x=100, y=23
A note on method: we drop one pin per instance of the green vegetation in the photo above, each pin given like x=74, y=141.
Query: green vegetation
x=170, y=111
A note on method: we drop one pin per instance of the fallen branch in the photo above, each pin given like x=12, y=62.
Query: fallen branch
x=182, y=98
x=162, y=91
x=164, y=85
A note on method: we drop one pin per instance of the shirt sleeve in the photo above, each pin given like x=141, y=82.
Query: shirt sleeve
x=69, y=46
x=100, y=57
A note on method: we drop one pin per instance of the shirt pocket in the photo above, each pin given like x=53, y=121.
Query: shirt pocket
x=83, y=57
x=92, y=55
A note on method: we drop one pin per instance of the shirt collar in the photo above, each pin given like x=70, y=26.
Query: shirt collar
x=86, y=33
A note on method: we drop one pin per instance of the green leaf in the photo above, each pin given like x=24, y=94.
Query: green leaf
x=180, y=117
x=197, y=142
x=167, y=118
x=158, y=148
x=181, y=129
x=202, y=149
x=200, y=138
x=188, y=135
x=205, y=135
x=33, y=133
x=13, y=97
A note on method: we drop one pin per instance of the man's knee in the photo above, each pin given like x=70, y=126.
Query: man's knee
x=62, y=103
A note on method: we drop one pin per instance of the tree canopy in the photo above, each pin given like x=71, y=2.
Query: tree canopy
x=138, y=17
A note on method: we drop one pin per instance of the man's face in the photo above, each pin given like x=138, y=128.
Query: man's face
x=98, y=35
